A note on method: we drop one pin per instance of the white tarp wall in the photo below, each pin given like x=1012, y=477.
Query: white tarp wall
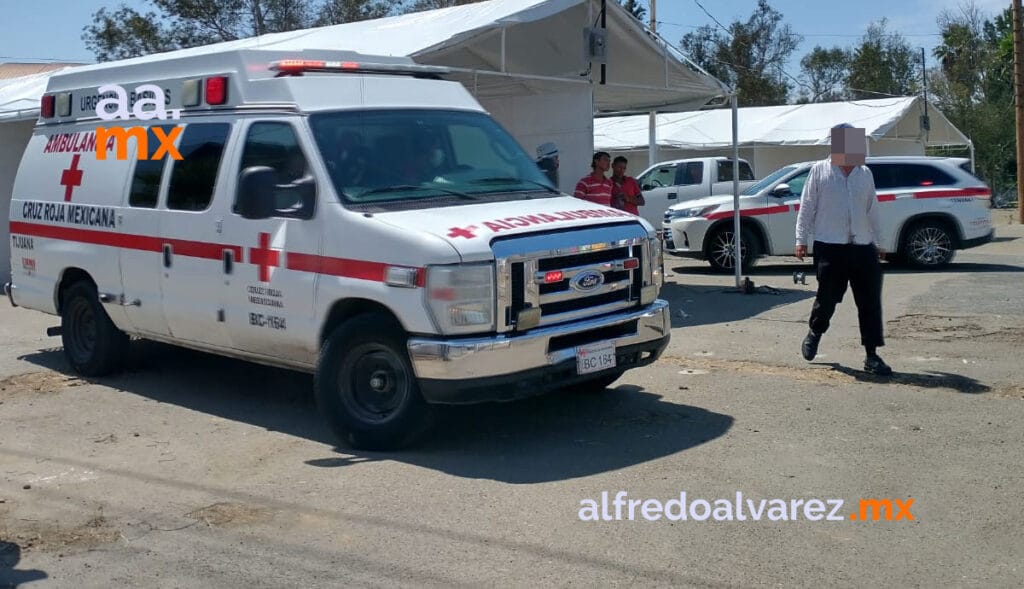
x=774, y=136
x=558, y=118
x=16, y=133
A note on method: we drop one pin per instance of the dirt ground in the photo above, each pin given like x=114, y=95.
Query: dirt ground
x=192, y=470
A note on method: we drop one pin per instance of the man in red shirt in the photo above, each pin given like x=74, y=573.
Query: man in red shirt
x=626, y=195
x=595, y=187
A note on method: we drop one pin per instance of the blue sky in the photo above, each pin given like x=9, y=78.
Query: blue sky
x=51, y=29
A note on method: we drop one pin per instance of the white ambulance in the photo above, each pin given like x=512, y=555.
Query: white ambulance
x=356, y=217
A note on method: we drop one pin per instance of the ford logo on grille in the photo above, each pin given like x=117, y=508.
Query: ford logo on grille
x=587, y=280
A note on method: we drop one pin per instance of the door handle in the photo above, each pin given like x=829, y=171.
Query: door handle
x=167, y=255
x=673, y=195
x=229, y=259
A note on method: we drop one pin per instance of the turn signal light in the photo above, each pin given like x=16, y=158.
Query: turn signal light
x=553, y=276
x=47, y=106
x=216, y=90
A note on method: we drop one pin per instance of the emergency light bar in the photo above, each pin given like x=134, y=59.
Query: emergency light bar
x=297, y=67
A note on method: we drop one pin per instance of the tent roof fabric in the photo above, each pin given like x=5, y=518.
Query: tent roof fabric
x=517, y=45
x=794, y=124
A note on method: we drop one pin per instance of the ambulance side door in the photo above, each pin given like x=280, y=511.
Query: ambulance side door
x=141, y=266
x=192, y=248
x=270, y=298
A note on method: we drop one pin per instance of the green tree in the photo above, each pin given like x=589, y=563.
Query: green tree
x=751, y=57
x=175, y=24
x=883, y=64
x=635, y=8
x=824, y=73
x=972, y=85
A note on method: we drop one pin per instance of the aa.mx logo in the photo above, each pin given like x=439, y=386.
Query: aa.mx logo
x=114, y=105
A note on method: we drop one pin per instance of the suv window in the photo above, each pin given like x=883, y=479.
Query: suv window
x=796, y=183
x=275, y=145
x=725, y=171
x=146, y=177
x=194, y=176
x=660, y=176
x=889, y=176
x=690, y=173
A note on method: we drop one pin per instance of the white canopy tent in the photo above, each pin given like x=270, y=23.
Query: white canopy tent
x=773, y=136
x=526, y=61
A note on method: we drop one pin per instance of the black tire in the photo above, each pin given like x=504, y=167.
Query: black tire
x=365, y=385
x=93, y=345
x=597, y=385
x=928, y=244
x=720, y=249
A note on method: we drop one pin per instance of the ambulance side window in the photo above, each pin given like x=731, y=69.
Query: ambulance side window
x=274, y=144
x=194, y=176
x=146, y=178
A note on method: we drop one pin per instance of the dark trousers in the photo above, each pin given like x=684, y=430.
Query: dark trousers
x=839, y=264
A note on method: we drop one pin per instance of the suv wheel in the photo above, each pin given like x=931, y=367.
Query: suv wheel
x=365, y=385
x=928, y=244
x=93, y=345
x=721, y=249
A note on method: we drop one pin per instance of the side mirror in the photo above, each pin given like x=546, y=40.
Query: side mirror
x=255, y=193
x=782, y=190
x=646, y=187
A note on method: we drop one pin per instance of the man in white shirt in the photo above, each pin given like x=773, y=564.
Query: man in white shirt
x=839, y=208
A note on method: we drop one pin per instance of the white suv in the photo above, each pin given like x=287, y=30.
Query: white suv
x=932, y=206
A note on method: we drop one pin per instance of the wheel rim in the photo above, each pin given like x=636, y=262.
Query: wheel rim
x=81, y=329
x=374, y=383
x=723, y=249
x=930, y=246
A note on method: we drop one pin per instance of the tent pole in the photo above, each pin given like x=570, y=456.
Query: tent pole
x=737, y=256
x=503, y=30
x=970, y=145
x=652, y=139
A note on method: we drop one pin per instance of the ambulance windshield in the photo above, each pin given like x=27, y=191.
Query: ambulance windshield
x=406, y=155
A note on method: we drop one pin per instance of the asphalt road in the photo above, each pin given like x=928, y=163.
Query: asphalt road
x=191, y=470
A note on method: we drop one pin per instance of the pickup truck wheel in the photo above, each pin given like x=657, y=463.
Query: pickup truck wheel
x=93, y=345
x=928, y=245
x=721, y=249
x=597, y=385
x=365, y=385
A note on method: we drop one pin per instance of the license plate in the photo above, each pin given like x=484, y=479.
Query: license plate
x=595, y=357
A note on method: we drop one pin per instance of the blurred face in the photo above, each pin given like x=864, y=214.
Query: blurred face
x=602, y=163
x=619, y=169
x=849, y=147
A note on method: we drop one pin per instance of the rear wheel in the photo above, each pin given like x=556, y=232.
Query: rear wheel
x=365, y=385
x=928, y=244
x=93, y=345
x=721, y=249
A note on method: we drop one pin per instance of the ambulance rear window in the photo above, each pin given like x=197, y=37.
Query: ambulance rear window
x=194, y=176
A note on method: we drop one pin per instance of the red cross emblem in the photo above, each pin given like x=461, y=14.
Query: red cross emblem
x=265, y=257
x=466, y=232
x=71, y=177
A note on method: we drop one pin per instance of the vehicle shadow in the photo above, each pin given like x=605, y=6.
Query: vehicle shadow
x=927, y=380
x=10, y=556
x=693, y=305
x=790, y=268
x=553, y=437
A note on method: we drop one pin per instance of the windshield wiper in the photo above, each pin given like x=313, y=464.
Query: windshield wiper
x=508, y=179
x=404, y=187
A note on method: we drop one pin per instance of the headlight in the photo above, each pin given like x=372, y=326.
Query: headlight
x=461, y=298
x=689, y=213
x=657, y=263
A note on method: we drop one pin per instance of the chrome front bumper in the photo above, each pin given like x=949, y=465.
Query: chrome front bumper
x=472, y=366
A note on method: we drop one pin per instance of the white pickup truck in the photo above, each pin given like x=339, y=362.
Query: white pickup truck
x=667, y=183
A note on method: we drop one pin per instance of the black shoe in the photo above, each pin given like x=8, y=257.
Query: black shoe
x=810, y=345
x=874, y=365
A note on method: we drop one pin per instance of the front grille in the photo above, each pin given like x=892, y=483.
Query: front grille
x=598, y=274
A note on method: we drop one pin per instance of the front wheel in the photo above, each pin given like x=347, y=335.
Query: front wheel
x=93, y=345
x=928, y=245
x=721, y=253
x=365, y=385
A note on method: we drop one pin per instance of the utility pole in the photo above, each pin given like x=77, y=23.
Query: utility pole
x=1018, y=100
x=925, y=121
x=654, y=16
